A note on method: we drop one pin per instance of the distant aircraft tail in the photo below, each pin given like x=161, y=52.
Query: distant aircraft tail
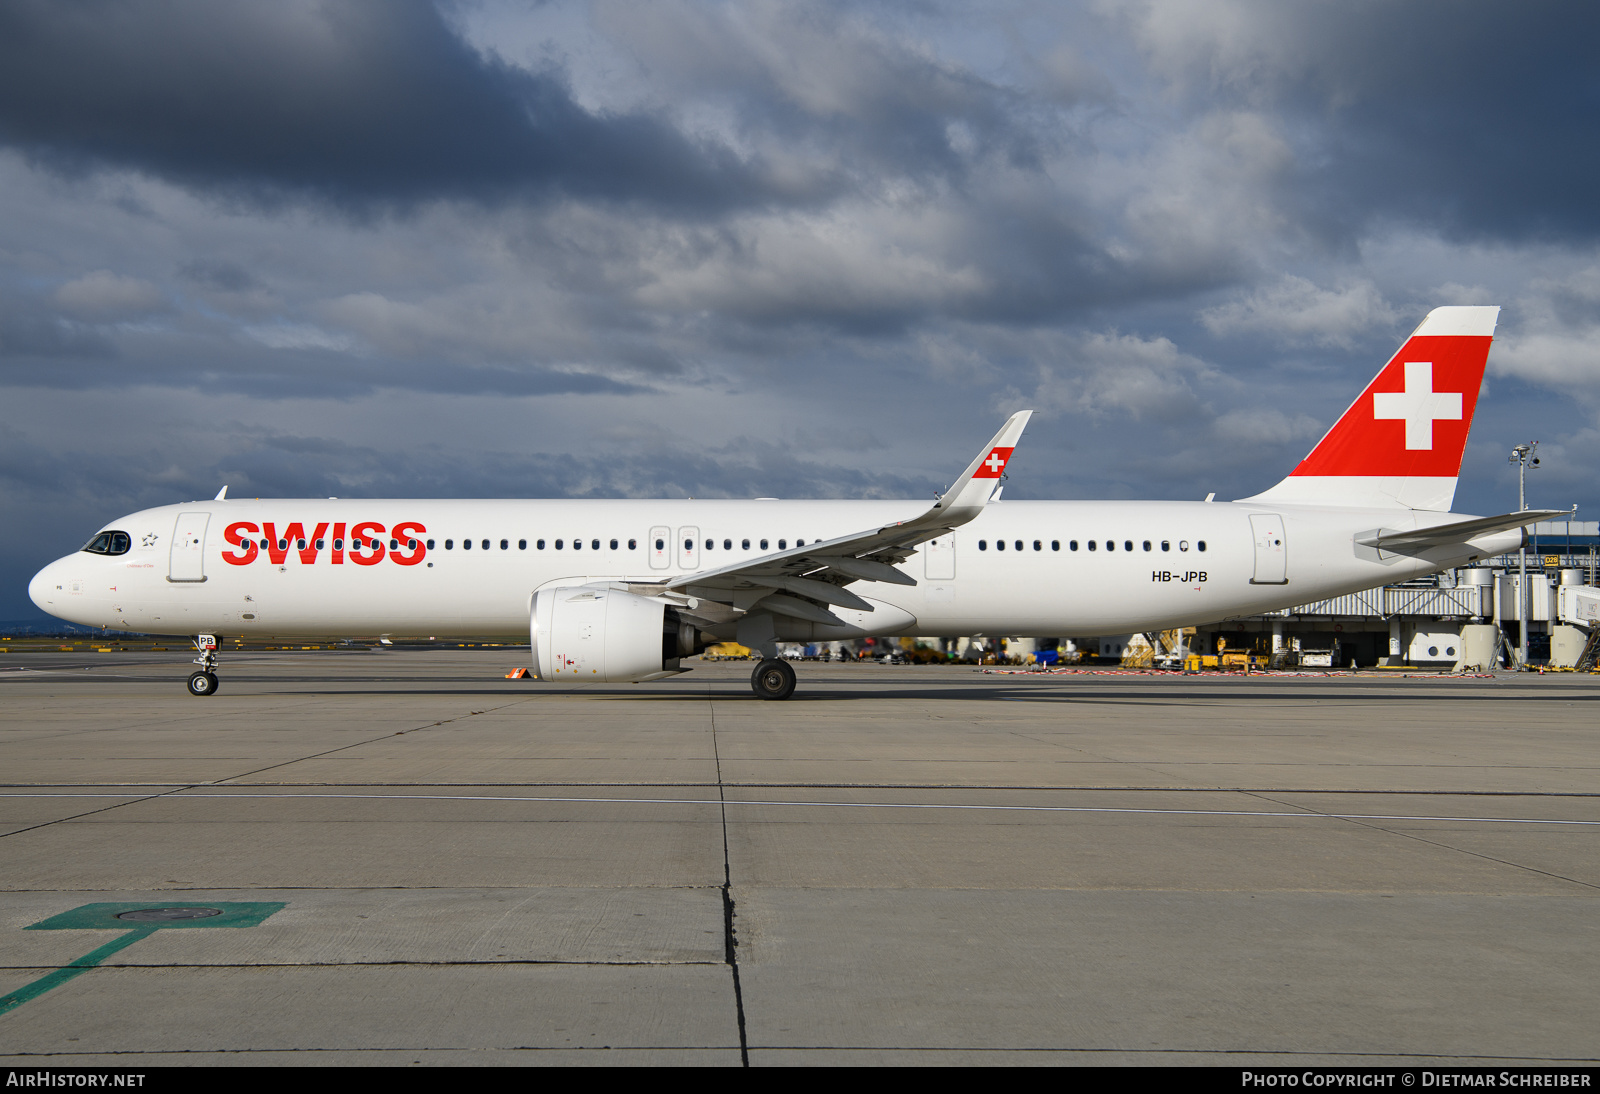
x=1400, y=444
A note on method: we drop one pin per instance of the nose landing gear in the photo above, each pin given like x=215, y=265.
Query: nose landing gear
x=204, y=682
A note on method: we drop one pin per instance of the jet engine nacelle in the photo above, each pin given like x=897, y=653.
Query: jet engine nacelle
x=591, y=632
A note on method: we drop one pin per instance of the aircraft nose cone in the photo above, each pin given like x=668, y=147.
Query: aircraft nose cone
x=41, y=588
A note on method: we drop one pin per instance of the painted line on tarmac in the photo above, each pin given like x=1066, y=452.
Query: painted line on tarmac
x=840, y=805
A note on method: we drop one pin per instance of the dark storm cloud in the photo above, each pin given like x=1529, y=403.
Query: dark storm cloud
x=1474, y=119
x=357, y=102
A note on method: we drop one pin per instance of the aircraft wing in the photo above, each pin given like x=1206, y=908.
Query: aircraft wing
x=1459, y=532
x=788, y=582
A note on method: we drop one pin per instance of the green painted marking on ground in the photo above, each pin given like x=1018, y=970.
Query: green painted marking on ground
x=62, y=975
x=103, y=917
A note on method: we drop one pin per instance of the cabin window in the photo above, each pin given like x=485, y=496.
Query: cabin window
x=983, y=545
x=727, y=545
x=411, y=545
x=633, y=545
x=1201, y=544
x=1111, y=545
x=1055, y=545
x=1183, y=545
x=577, y=544
x=319, y=544
x=1072, y=545
x=466, y=544
x=560, y=543
x=783, y=545
x=763, y=545
x=393, y=544
x=522, y=545
x=1037, y=546
x=710, y=543
x=744, y=544
x=505, y=544
x=485, y=545
x=430, y=545
x=660, y=545
x=1146, y=545
x=613, y=545
x=688, y=545
x=1093, y=546
x=1166, y=545
x=999, y=545
x=1019, y=545
x=538, y=544
x=1127, y=545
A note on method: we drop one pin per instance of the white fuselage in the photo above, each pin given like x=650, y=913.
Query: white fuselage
x=200, y=567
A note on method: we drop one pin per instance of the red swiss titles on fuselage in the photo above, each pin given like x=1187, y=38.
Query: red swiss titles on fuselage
x=365, y=547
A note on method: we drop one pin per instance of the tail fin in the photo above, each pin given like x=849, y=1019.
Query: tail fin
x=1400, y=444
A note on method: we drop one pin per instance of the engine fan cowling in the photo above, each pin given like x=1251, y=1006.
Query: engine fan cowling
x=601, y=634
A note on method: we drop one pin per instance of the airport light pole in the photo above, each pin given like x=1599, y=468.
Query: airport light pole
x=1523, y=456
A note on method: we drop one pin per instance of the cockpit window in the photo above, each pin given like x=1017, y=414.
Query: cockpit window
x=109, y=543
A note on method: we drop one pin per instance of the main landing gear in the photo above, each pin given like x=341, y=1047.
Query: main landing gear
x=773, y=679
x=204, y=682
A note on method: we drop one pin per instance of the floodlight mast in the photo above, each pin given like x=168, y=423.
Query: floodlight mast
x=1523, y=455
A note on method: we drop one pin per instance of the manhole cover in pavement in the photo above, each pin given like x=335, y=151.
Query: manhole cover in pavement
x=167, y=915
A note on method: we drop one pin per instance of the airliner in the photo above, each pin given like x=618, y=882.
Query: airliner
x=624, y=591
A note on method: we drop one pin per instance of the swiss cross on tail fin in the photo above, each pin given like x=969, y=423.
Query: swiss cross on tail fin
x=1400, y=444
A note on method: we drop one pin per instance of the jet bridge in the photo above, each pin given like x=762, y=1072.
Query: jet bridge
x=1575, y=641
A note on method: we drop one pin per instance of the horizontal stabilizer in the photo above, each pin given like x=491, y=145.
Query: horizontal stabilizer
x=1459, y=532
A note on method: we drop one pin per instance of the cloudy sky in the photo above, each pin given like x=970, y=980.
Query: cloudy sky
x=617, y=249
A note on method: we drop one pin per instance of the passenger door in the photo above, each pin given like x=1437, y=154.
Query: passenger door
x=1272, y=557
x=187, y=562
